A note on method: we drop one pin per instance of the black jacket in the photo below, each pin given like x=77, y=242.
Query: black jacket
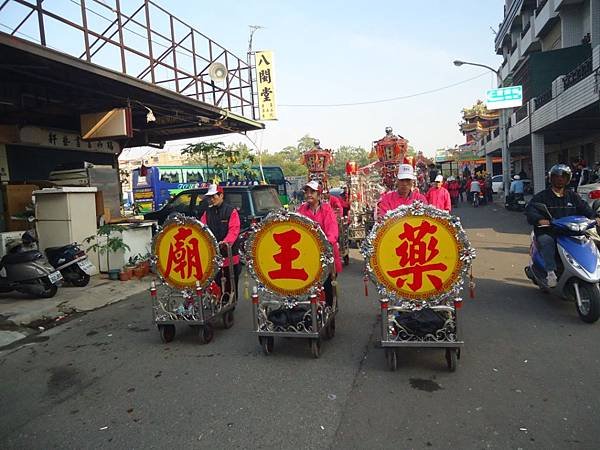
x=217, y=219
x=571, y=204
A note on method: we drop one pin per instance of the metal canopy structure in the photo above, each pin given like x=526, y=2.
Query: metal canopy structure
x=164, y=73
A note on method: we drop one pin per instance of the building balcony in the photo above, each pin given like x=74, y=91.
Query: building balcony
x=509, y=17
x=574, y=92
x=528, y=38
x=544, y=16
x=513, y=59
x=578, y=74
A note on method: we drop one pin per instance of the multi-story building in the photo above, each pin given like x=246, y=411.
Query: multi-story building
x=552, y=49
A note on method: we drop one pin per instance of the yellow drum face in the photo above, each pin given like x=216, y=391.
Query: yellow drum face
x=287, y=257
x=416, y=256
x=185, y=254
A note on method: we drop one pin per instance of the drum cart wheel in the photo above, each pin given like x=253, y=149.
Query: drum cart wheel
x=167, y=333
x=315, y=347
x=206, y=333
x=330, y=329
x=267, y=343
x=451, y=358
x=228, y=319
x=391, y=358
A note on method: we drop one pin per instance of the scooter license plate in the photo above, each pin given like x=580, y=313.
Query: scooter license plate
x=55, y=277
x=86, y=266
x=521, y=202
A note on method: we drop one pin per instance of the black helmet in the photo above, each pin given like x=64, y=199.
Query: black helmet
x=561, y=170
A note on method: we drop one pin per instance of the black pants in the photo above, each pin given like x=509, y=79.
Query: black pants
x=237, y=269
x=328, y=291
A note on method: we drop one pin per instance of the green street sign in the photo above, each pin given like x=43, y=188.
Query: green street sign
x=508, y=97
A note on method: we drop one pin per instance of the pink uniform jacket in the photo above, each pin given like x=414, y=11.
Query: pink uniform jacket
x=326, y=218
x=440, y=198
x=391, y=200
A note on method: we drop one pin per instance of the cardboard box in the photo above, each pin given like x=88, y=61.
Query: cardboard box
x=16, y=198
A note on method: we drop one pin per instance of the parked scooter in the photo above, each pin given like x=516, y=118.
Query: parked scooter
x=515, y=202
x=30, y=273
x=578, y=264
x=70, y=260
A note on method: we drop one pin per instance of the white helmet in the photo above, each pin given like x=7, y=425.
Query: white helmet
x=516, y=177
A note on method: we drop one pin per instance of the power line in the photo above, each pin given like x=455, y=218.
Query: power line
x=385, y=100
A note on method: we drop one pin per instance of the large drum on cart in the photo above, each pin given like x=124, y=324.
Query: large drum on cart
x=418, y=257
x=187, y=259
x=291, y=260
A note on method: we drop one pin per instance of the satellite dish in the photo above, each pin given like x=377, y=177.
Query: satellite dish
x=217, y=72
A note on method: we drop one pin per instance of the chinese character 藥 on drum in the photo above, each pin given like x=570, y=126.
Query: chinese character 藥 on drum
x=418, y=253
x=286, y=256
x=416, y=256
x=185, y=253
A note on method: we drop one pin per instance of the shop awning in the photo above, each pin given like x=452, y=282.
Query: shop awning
x=43, y=87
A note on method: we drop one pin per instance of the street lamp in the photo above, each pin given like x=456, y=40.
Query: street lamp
x=503, y=128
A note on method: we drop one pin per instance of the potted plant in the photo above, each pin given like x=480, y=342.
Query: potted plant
x=108, y=239
x=132, y=262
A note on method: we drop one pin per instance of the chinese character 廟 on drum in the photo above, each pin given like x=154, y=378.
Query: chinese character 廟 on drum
x=185, y=254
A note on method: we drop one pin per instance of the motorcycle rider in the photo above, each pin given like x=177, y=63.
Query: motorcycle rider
x=561, y=202
x=516, y=187
x=405, y=194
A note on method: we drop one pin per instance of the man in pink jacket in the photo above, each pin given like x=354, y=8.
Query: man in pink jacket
x=405, y=194
x=439, y=196
x=323, y=214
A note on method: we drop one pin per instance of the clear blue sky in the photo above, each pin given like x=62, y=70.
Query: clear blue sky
x=352, y=51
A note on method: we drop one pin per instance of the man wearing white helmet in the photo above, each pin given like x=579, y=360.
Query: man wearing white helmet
x=405, y=193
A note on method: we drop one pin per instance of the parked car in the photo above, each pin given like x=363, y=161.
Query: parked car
x=589, y=192
x=253, y=202
x=497, y=184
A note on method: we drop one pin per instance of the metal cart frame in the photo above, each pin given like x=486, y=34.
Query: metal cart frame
x=321, y=315
x=447, y=337
x=206, y=309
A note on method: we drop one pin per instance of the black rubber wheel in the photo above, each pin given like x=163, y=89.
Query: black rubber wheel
x=589, y=310
x=346, y=260
x=49, y=290
x=167, y=333
x=80, y=278
x=267, y=343
x=228, y=319
x=330, y=329
x=451, y=359
x=391, y=358
x=315, y=347
x=206, y=333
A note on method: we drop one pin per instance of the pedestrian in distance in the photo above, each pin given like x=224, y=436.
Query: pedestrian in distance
x=438, y=195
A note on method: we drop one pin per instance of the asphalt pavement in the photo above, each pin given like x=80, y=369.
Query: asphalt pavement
x=527, y=378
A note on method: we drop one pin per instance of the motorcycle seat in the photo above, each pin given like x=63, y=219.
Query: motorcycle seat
x=55, y=250
x=23, y=257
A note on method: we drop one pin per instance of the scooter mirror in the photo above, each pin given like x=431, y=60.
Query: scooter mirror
x=541, y=207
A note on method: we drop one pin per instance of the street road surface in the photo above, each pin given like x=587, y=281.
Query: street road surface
x=528, y=377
